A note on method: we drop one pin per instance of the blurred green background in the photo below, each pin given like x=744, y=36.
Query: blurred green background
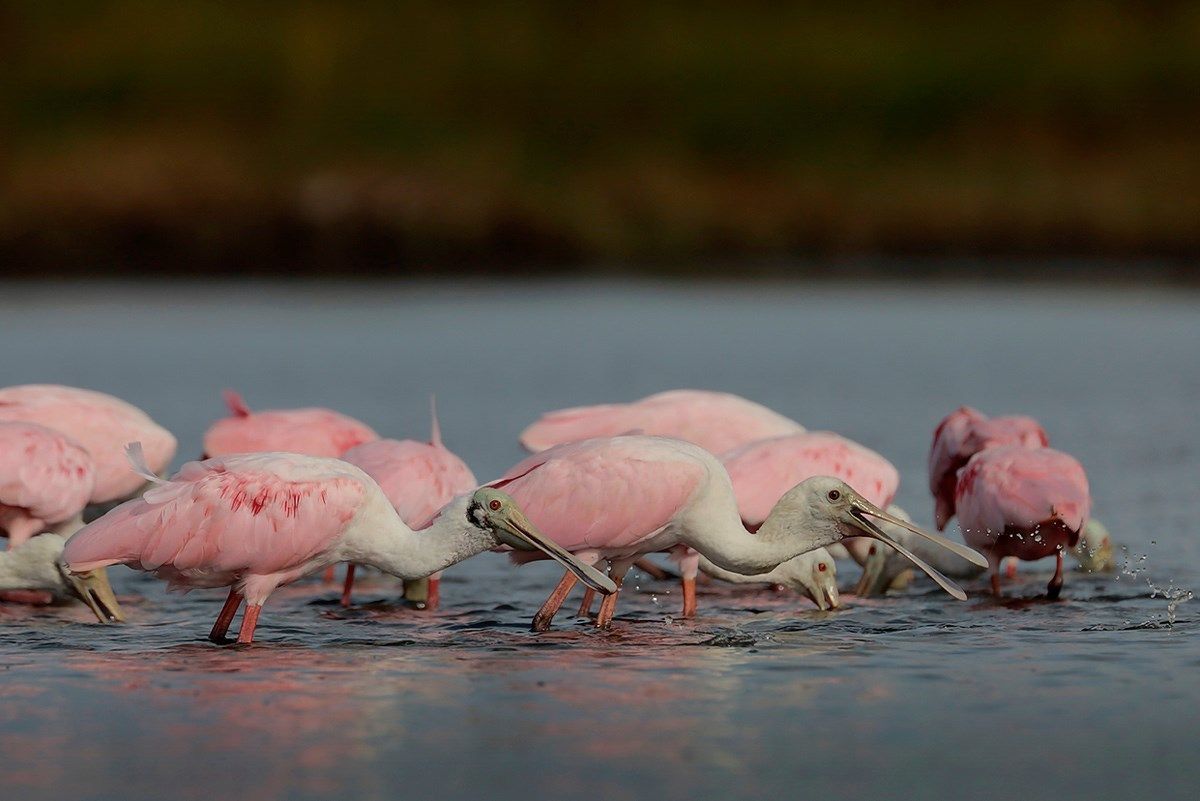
x=381, y=138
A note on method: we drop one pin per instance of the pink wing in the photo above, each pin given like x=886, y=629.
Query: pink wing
x=43, y=472
x=762, y=472
x=257, y=514
x=716, y=421
x=102, y=424
x=418, y=478
x=312, y=432
x=609, y=493
x=963, y=433
x=1021, y=487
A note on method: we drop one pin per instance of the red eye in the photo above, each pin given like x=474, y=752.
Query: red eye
x=494, y=505
x=821, y=567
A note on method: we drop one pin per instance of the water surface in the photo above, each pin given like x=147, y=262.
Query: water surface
x=762, y=695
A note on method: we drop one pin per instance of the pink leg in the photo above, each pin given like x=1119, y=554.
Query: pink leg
x=230, y=608
x=585, y=608
x=31, y=597
x=329, y=575
x=1056, y=583
x=608, y=606
x=249, y=622
x=545, y=615
x=1010, y=568
x=21, y=529
x=689, y=566
x=434, y=597
x=348, y=587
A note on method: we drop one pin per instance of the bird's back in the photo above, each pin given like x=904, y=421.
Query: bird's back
x=312, y=432
x=419, y=478
x=762, y=472
x=1021, y=487
x=43, y=472
x=257, y=514
x=609, y=492
x=100, y=423
x=716, y=421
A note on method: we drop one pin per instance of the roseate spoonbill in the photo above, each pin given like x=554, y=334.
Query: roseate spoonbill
x=253, y=522
x=311, y=432
x=812, y=574
x=100, y=423
x=46, y=478
x=885, y=567
x=37, y=565
x=419, y=478
x=763, y=471
x=617, y=498
x=963, y=433
x=716, y=421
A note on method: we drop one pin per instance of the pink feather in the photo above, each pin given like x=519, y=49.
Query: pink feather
x=418, y=478
x=716, y=421
x=311, y=431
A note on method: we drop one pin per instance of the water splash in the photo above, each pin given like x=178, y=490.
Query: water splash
x=1135, y=565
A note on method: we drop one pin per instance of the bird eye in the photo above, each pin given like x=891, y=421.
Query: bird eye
x=821, y=567
x=834, y=495
x=494, y=505
x=872, y=551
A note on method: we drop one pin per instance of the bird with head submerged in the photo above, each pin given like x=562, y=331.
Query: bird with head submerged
x=254, y=522
x=38, y=565
x=812, y=574
x=1094, y=551
x=1013, y=496
x=615, y=499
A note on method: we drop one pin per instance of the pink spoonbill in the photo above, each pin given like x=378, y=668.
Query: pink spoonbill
x=312, y=431
x=100, y=423
x=716, y=421
x=617, y=498
x=45, y=481
x=254, y=522
x=1012, y=499
x=419, y=478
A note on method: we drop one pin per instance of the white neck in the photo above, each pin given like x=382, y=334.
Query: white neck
x=718, y=572
x=715, y=529
x=380, y=539
x=33, y=566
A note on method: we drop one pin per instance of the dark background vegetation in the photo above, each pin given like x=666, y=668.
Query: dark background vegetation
x=358, y=138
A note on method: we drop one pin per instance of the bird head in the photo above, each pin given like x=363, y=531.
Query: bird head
x=495, y=511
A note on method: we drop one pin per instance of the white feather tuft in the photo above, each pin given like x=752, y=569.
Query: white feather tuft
x=137, y=460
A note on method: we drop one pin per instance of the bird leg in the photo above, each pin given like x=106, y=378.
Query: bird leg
x=689, y=566
x=545, y=615
x=230, y=608
x=585, y=608
x=1056, y=583
x=1010, y=568
x=996, y=581
x=348, y=587
x=329, y=575
x=249, y=621
x=434, y=596
x=608, y=606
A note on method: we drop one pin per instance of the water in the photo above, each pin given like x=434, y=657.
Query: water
x=916, y=695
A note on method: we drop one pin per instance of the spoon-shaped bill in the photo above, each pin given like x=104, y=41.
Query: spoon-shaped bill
x=523, y=529
x=94, y=590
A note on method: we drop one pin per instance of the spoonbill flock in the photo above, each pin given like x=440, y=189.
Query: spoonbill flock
x=723, y=485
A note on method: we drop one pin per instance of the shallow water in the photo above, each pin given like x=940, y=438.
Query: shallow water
x=916, y=695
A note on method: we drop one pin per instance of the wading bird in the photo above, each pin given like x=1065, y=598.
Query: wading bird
x=311, y=432
x=37, y=567
x=419, y=478
x=46, y=478
x=254, y=522
x=100, y=423
x=618, y=498
x=716, y=421
x=1012, y=497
